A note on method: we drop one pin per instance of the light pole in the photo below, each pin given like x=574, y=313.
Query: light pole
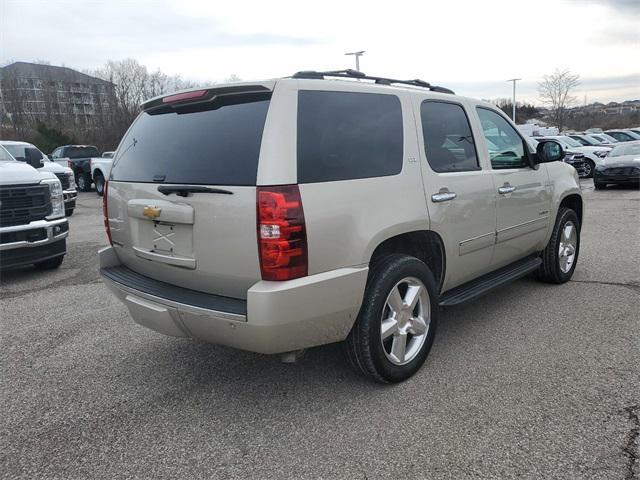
x=514, y=80
x=357, y=55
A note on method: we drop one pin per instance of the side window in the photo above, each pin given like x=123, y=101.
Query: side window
x=506, y=146
x=448, y=141
x=347, y=135
x=56, y=153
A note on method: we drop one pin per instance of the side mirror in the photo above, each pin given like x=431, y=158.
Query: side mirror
x=549, y=151
x=34, y=157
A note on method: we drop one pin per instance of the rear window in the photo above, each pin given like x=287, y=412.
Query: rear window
x=346, y=135
x=81, y=152
x=217, y=146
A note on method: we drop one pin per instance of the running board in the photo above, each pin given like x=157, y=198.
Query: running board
x=484, y=284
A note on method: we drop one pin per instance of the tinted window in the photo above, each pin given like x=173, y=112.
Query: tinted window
x=506, y=147
x=219, y=146
x=346, y=135
x=448, y=142
x=81, y=152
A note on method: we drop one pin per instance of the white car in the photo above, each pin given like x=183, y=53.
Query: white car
x=593, y=155
x=19, y=151
x=100, y=170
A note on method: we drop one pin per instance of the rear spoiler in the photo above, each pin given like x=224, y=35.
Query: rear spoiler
x=199, y=98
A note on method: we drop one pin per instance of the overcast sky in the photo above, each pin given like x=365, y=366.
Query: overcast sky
x=470, y=46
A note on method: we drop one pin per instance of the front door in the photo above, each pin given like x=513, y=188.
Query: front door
x=459, y=190
x=523, y=193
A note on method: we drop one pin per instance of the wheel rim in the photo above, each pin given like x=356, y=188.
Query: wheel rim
x=587, y=169
x=406, y=318
x=99, y=184
x=568, y=246
x=81, y=182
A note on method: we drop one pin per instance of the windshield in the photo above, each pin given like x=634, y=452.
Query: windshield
x=5, y=156
x=593, y=139
x=82, y=152
x=18, y=151
x=570, y=141
x=628, y=149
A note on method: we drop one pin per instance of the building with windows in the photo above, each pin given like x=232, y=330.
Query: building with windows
x=32, y=92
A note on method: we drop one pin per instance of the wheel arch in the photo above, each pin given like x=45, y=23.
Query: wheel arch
x=425, y=245
x=574, y=202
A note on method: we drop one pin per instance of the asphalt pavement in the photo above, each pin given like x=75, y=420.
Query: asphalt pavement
x=531, y=381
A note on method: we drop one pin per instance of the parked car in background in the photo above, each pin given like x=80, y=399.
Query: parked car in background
x=623, y=135
x=592, y=155
x=33, y=227
x=585, y=139
x=108, y=154
x=20, y=151
x=575, y=159
x=605, y=139
x=78, y=158
x=621, y=167
x=635, y=130
x=100, y=169
x=298, y=212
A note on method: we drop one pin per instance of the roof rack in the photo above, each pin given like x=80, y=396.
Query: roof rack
x=349, y=73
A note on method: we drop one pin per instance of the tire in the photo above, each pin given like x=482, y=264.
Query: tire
x=50, y=264
x=365, y=348
x=555, y=267
x=99, y=181
x=68, y=213
x=83, y=180
x=589, y=167
x=599, y=185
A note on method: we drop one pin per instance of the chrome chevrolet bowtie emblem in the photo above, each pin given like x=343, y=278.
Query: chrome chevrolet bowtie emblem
x=151, y=212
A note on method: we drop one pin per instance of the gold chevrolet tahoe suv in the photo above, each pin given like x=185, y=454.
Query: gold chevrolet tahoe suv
x=329, y=207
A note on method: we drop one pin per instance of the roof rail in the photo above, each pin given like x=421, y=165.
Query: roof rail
x=349, y=73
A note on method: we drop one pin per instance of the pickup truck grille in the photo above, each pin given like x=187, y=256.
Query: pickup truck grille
x=21, y=204
x=64, y=180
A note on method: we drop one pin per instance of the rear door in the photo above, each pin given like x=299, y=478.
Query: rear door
x=459, y=189
x=523, y=193
x=182, y=191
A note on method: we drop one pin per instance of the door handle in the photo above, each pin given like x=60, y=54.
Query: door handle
x=506, y=189
x=443, y=196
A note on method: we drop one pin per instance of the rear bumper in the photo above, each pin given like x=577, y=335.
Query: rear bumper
x=276, y=316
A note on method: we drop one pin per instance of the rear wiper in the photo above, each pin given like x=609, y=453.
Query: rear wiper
x=185, y=190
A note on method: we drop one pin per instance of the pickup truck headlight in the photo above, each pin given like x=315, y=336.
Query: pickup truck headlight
x=57, y=199
x=72, y=180
x=601, y=153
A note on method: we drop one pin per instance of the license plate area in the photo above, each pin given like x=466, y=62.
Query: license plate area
x=164, y=242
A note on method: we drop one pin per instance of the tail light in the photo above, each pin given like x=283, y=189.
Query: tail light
x=282, y=236
x=105, y=210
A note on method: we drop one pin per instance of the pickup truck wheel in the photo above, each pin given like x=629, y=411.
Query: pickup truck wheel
x=84, y=182
x=68, y=213
x=50, y=264
x=560, y=257
x=395, y=328
x=99, y=181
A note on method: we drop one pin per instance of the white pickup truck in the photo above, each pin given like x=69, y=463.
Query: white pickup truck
x=100, y=169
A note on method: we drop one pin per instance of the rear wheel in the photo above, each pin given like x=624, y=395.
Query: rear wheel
x=68, y=212
x=397, y=322
x=99, y=181
x=50, y=264
x=560, y=257
x=84, y=182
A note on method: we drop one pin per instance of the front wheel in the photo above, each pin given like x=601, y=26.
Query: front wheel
x=560, y=257
x=589, y=166
x=50, y=264
x=395, y=328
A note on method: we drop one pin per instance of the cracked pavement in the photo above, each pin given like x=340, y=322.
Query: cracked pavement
x=531, y=381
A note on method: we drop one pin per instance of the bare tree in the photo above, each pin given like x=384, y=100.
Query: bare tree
x=555, y=93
